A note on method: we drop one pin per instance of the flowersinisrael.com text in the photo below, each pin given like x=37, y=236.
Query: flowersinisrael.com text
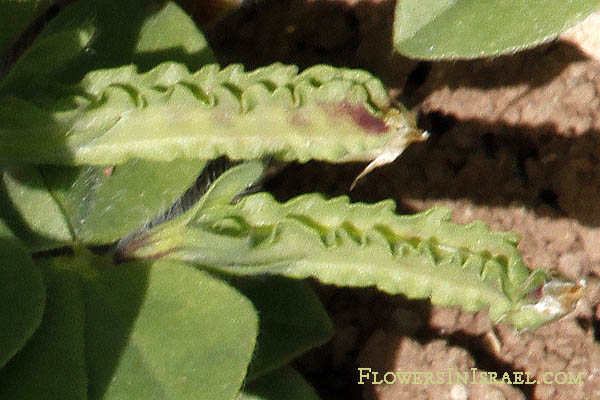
x=474, y=376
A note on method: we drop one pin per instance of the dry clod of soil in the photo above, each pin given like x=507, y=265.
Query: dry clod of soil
x=432, y=358
x=563, y=347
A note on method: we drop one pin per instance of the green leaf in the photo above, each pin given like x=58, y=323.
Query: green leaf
x=170, y=34
x=450, y=29
x=94, y=34
x=116, y=115
x=285, y=383
x=52, y=364
x=169, y=331
x=22, y=297
x=292, y=321
x=46, y=57
x=103, y=204
x=420, y=256
x=32, y=212
x=15, y=16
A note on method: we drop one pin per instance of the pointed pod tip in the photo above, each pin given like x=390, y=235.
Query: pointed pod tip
x=392, y=151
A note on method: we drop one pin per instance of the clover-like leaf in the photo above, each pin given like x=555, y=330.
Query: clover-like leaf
x=292, y=321
x=22, y=298
x=420, y=256
x=284, y=383
x=93, y=34
x=450, y=29
x=30, y=209
x=115, y=115
x=47, y=56
x=166, y=331
x=52, y=364
x=102, y=204
x=170, y=34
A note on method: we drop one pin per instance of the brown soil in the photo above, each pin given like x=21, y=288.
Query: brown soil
x=515, y=142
